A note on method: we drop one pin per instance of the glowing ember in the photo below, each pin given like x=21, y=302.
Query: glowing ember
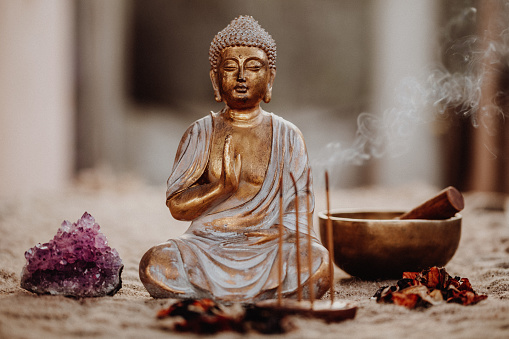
x=76, y=262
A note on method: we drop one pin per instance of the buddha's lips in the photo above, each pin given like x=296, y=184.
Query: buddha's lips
x=241, y=88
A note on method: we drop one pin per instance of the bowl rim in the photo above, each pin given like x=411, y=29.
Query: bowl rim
x=323, y=215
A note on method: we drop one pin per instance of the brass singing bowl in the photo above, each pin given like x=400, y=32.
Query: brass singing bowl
x=373, y=245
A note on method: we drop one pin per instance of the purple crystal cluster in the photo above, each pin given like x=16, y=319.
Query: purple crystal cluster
x=77, y=262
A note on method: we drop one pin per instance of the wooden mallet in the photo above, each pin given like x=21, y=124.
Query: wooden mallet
x=444, y=205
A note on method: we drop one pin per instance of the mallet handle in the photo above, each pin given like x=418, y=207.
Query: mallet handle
x=442, y=206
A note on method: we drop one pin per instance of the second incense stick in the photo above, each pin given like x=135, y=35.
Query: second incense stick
x=310, y=253
x=329, y=239
x=297, y=239
x=280, y=268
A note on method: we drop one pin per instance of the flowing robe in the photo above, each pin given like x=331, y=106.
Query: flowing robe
x=214, y=257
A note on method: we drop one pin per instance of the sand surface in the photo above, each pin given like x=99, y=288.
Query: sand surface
x=134, y=217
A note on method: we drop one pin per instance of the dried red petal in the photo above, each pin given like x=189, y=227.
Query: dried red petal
x=203, y=316
x=410, y=275
x=434, y=278
x=427, y=287
x=466, y=298
x=407, y=300
x=454, y=283
x=465, y=285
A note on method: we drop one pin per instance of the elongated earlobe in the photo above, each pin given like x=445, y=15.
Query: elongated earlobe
x=268, y=95
x=215, y=86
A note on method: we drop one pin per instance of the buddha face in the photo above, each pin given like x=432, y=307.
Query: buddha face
x=243, y=77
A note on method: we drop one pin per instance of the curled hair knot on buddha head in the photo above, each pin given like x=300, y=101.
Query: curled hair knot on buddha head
x=242, y=31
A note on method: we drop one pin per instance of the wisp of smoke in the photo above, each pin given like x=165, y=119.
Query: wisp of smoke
x=442, y=91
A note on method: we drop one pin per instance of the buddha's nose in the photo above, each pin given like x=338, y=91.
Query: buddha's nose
x=240, y=75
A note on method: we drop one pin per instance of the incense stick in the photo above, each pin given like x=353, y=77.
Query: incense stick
x=280, y=248
x=297, y=240
x=310, y=253
x=329, y=239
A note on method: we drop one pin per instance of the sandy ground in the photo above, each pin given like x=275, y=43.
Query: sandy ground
x=134, y=218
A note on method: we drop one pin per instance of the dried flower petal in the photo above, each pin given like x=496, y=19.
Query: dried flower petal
x=205, y=316
x=429, y=287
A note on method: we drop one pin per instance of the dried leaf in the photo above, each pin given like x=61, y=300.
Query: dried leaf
x=205, y=316
x=202, y=316
x=466, y=298
x=410, y=275
x=405, y=299
x=465, y=285
x=436, y=296
x=429, y=287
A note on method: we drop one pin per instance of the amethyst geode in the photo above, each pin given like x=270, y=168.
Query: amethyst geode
x=77, y=262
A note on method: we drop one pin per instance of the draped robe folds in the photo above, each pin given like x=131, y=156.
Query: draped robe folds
x=214, y=258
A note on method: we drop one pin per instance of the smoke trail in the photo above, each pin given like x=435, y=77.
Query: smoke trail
x=456, y=89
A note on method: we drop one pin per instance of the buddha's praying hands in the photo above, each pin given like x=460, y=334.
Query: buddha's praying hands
x=226, y=180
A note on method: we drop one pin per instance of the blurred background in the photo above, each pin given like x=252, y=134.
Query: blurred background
x=385, y=92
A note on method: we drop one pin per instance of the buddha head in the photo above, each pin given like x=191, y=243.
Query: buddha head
x=243, y=64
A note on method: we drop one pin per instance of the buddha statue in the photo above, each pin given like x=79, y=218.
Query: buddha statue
x=226, y=180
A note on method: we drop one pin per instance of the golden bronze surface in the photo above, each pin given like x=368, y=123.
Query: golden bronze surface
x=229, y=169
x=373, y=245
